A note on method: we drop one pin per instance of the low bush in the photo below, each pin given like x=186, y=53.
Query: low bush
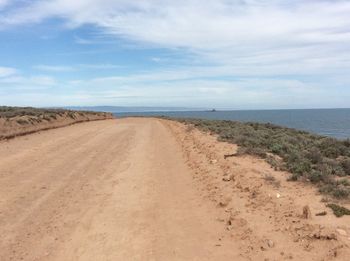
x=339, y=211
x=307, y=156
x=272, y=180
x=22, y=122
x=345, y=163
x=276, y=163
x=43, y=114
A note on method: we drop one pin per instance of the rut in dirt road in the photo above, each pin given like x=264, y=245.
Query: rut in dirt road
x=108, y=190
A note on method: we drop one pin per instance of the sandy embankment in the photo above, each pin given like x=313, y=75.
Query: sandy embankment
x=23, y=125
x=149, y=189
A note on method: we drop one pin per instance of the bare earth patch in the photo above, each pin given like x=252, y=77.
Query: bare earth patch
x=150, y=189
x=263, y=213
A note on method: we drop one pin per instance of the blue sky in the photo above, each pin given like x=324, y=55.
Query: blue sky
x=229, y=54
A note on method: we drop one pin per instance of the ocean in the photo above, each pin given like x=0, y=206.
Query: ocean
x=328, y=122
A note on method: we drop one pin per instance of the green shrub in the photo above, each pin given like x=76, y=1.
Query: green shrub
x=276, y=148
x=339, y=211
x=53, y=116
x=11, y=112
x=335, y=168
x=275, y=163
x=347, y=143
x=299, y=167
x=344, y=182
x=314, y=155
x=345, y=163
x=309, y=156
x=316, y=176
x=22, y=122
x=252, y=151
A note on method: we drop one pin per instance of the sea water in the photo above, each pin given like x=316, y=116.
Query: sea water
x=328, y=122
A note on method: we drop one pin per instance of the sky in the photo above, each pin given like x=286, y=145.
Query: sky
x=224, y=54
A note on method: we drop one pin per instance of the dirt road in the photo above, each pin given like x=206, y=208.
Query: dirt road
x=130, y=190
x=108, y=190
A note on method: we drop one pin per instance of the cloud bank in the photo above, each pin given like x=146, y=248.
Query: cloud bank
x=282, y=40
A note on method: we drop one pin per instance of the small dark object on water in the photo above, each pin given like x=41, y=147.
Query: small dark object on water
x=323, y=213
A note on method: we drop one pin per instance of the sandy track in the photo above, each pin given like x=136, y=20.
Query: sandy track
x=149, y=189
x=107, y=190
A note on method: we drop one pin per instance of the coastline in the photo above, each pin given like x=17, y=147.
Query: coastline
x=320, y=160
x=327, y=122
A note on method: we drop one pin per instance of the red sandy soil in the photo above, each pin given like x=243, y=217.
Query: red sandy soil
x=150, y=189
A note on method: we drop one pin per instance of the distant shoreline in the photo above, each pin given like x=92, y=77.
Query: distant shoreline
x=145, y=109
x=326, y=122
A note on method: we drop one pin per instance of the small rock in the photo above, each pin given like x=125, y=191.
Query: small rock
x=253, y=195
x=323, y=213
x=213, y=161
x=341, y=232
x=229, y=178
x=306, y=212
x=278, y=195
x=224, y=202
x=332, y=236
x=270, y=243
x=327, y=234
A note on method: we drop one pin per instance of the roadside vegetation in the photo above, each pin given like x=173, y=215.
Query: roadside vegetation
x=17, y=121
x=41, y=114
x=338, y=210
x=321, y=160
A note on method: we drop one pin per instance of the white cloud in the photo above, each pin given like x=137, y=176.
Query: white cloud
x=257, y=33
x=3, y=3
x=101, y=66
x=31, y=82
x=77, y=67
x=248, y=93
x=265, y=47
x=83, y=41
x=12, y=79
x=7, y=71
x=160, y=89
x=54, y=68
